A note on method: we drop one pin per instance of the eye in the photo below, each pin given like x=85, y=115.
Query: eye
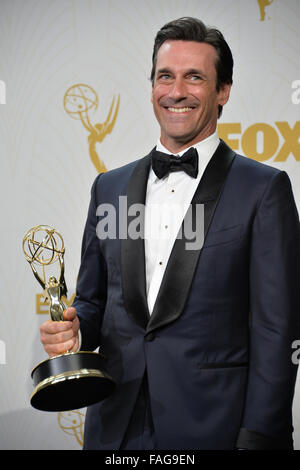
x=195, y=77
x=163, y=76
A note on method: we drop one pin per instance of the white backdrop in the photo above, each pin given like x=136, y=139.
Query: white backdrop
x=48, y=46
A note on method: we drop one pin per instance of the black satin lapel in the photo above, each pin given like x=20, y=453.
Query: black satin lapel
x=182, y=263
x=133, y=251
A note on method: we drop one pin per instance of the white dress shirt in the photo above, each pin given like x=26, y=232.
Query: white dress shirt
x=167, y=201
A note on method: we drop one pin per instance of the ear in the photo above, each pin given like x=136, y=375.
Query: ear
x=152, y=95
x=224, y=93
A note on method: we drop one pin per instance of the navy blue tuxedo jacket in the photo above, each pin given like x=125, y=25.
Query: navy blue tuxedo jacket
x=217, y=348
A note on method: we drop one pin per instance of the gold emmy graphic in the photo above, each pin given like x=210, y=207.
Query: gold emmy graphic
x=70, y=380
x=262, y=4
x=79, y=101
x=72, y=423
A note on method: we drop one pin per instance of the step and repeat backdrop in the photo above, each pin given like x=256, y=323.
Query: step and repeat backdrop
x=74, y=101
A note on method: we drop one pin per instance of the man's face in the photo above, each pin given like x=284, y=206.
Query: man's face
x=184, y=95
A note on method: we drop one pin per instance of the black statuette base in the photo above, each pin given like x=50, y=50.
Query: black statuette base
x=70, y=381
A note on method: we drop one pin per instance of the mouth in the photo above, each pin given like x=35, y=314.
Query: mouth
x=185, y=109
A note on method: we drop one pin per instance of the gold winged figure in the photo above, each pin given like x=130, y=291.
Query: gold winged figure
x=79, y=101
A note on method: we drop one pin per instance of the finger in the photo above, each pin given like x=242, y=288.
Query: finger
x=57, y=338
x=61, y=348
x=53, y=327
x=70, y=314
x=75, y=325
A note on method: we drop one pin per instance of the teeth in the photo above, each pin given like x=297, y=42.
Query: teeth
x=179, y=110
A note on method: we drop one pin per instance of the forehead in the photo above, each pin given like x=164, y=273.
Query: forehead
x=186, y=54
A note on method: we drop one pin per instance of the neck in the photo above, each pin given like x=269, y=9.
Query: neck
x=177, y=146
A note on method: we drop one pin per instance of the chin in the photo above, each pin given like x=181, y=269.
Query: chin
x=181, y=138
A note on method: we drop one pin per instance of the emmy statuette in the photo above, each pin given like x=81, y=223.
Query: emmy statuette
x=70, y=380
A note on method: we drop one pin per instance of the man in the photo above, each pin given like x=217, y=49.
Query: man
x=199, y=340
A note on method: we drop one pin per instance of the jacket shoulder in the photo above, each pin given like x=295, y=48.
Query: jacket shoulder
x=250, y=179
x=118, y=174
x=255, y=168
x=115, y=182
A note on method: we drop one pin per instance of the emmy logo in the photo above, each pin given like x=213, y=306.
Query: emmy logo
x=72, y=422
x=79, y=101
x=262, y=8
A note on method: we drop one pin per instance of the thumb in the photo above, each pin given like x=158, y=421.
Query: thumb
x=70, y=314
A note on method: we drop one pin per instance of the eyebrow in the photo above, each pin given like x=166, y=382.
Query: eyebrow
x=191, y=71
x=195, y=72
x=163, y=70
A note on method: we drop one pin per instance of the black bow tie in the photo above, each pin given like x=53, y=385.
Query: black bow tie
x=163, y=164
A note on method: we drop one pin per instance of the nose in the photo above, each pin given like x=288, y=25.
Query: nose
x=177, y=90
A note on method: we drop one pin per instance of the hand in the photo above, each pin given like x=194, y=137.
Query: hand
x=60, y=337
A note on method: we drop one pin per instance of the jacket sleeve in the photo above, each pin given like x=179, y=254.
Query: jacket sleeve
x=90, y=299
x=274, y=319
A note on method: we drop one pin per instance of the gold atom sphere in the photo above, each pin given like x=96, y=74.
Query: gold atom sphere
x=80, y=99
x=43, y=244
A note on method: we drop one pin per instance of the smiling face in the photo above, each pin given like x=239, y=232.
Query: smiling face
x=184, y=94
